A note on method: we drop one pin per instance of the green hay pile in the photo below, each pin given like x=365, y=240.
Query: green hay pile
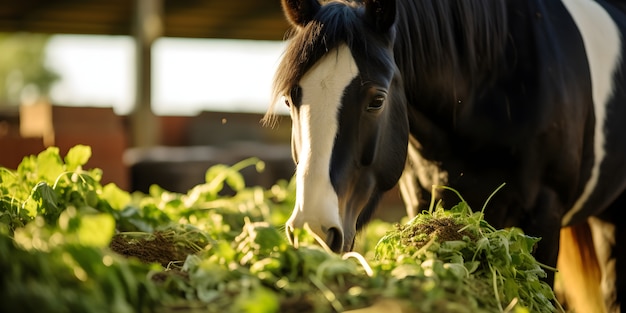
x=69, y=244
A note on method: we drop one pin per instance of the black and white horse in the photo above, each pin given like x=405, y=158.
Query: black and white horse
x=469, y=94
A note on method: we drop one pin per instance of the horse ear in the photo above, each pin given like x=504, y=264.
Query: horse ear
x=381, y=13
x=300, y=12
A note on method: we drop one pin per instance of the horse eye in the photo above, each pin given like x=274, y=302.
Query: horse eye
x=376, y=103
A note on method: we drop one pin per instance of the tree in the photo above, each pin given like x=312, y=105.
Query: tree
x=23, y=72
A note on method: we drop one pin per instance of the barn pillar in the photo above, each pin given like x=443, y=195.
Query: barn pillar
x=148, y=24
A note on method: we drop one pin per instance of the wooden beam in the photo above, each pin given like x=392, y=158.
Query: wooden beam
x=145, y=128
x=181, y=18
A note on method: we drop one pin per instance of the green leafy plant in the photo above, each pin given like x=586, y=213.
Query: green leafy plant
x=53, y=242
x=69, y=244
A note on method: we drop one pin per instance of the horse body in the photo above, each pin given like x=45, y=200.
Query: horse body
x=531, y=126
x=468, y=94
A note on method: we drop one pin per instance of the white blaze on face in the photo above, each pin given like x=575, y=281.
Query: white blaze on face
x=603, y=47
x=322, y=90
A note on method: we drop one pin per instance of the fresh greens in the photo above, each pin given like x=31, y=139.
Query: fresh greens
x=53, y=237
x=69, y=244
x=488, y=267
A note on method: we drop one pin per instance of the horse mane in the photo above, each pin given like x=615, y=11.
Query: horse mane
x=453, y=38
x=335, y=23
x=458, y=37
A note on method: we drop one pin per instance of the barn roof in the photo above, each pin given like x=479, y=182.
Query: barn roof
x=233, y=19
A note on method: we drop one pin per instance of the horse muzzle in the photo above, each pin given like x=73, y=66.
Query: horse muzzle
x=329, y=231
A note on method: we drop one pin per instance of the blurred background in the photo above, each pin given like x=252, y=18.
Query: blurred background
x=160, y=89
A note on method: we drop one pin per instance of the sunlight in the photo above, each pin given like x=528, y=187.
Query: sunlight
x=189, y=75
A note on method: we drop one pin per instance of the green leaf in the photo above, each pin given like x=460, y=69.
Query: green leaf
x=117, y=198
x=5, y=175
x=258, y=300
x=77, y=156
x=27, y=166
x=47, y=199
x=96, y=230
x=49, y=164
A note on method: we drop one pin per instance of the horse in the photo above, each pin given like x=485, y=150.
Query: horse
x=469, y=94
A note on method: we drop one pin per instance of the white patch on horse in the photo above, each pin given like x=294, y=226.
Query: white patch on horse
x=322, y=90
x=602, y=42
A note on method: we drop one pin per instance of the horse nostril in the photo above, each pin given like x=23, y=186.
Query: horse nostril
x=334, y=239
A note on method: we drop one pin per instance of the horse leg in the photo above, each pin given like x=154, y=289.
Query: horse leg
x=591, y=263
x=578, y=279
x=609, y=237
x=604, y=240
x=620, y=264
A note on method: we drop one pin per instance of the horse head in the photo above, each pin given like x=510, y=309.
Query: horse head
x=348, y=111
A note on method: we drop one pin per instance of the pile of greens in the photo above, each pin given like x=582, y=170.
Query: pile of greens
x=69, y=244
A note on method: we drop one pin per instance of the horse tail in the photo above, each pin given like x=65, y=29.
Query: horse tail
x=578, y=279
